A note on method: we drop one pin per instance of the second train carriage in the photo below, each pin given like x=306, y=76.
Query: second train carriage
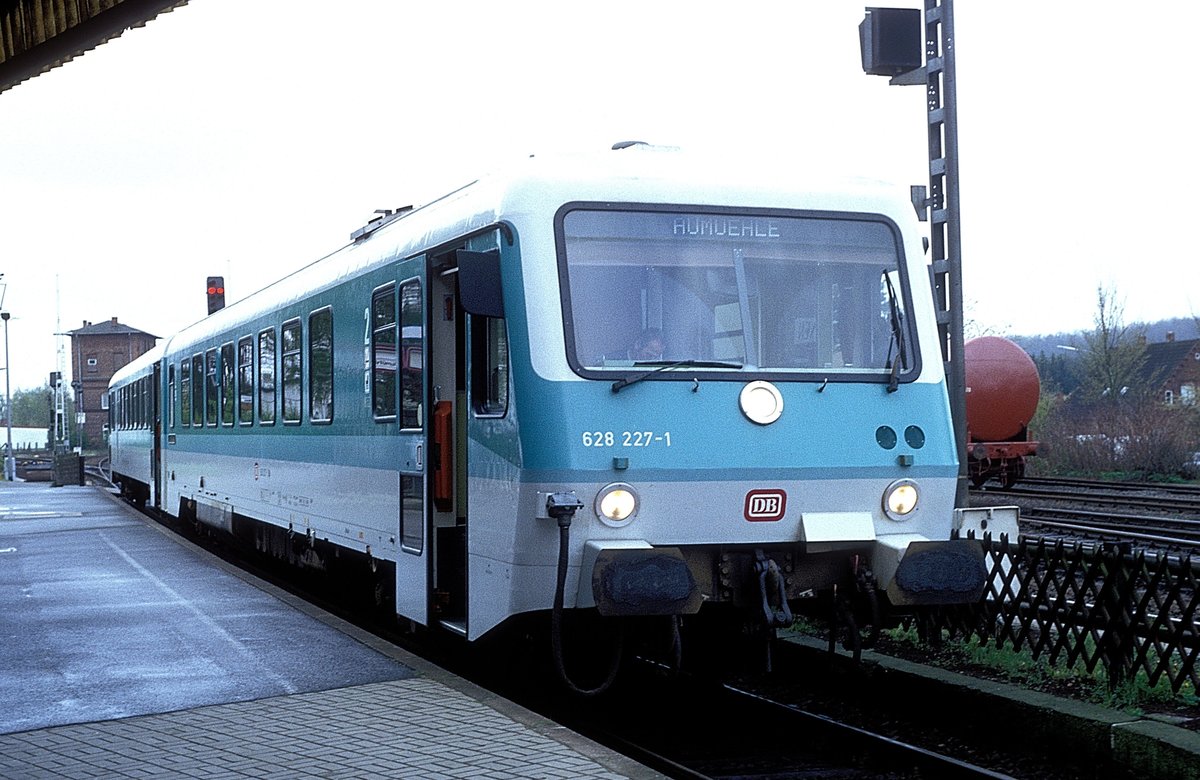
x=642, y=383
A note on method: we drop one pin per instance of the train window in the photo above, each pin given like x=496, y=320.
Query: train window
x=185, y=393
x=197, y=390
x=266, y=377
x=212, y=389
x=320, y=366
x=290, y=343
x=228, y=396
x=171, y=395
x=245, y=380
x=412, y=364
x=412, y=513
x=767, y=291
x=489, y=365
x=383, y=353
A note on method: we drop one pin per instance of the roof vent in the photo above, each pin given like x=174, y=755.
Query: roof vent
x=383, y=217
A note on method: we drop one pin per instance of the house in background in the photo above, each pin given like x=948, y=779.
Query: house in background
x=1174, y=369
x=97, y=351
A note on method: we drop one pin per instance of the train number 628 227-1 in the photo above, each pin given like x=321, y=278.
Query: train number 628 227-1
x=626, y=438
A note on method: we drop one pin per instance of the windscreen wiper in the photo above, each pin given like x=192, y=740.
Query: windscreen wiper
x=897, y=336
x=629, y=380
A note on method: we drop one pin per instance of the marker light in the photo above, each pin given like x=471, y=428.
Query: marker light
x=761, y=402
x=900, y=499
x=616, y=504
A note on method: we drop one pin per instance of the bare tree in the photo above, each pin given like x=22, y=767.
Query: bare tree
x=1114, y=354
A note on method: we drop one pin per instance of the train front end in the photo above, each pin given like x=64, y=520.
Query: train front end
x=733, y=394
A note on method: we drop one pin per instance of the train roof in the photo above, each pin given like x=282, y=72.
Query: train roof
x=639, y=173
x=140, y=366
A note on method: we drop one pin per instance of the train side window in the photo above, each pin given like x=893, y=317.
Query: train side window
x=245, y=389
x=320, y=366
x=171, y=395
x=212, y=389
x=411, y=358
x=412, y=513
x=291, y=370
x=266, y=377
x=383, y=353
x=197, y=390
x=228, y=396
x=489, y=366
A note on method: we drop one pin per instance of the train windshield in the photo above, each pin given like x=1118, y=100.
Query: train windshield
x=760, y=292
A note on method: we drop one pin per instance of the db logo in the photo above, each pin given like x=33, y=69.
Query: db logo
x=765, y=505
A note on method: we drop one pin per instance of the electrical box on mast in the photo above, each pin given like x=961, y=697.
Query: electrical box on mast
x=216, y=293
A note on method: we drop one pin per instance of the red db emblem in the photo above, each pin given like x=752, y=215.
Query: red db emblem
x=765, y=505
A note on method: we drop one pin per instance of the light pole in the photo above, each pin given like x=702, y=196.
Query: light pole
x=10, y=463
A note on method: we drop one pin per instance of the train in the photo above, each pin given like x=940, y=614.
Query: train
x=640, y=387
x=1002, y=390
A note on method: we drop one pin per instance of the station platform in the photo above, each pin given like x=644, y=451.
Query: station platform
x=128, y=652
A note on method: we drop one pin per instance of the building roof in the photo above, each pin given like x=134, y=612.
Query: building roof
x=107, y=328
x=1164, y=357
x=38, y=35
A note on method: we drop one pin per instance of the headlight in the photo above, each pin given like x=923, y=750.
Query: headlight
x=900, y=499
x=761, y=402
x=617, y=504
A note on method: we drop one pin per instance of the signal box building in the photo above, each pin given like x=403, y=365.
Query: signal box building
x=97, y=351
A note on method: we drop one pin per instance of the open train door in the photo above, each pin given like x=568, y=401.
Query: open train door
x=404, y=304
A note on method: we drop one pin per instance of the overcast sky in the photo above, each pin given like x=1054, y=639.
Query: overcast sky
x=249, y=138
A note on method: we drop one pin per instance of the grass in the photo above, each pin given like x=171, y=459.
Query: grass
x=1135, y=696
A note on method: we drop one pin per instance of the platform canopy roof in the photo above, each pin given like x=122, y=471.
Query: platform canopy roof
x=38, y=35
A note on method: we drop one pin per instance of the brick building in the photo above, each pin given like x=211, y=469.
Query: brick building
x=1174, y=369
x=97, y=351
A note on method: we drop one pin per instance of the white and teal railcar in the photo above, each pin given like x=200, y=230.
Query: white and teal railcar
x=639, y=383
x=132, y=413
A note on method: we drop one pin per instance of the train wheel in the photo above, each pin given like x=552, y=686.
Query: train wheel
x=1013, y=474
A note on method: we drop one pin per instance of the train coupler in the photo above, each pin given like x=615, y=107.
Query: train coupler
x=772, y=587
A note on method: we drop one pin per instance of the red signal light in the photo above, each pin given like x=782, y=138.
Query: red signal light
x=216, y=293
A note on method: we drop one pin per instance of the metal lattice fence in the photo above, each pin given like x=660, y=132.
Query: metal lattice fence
x=1129, y=611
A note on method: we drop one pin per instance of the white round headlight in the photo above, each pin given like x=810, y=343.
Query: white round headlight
x=761, y=402
x=616, y=504
x=900, y=499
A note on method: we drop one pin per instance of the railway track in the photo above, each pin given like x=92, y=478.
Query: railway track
x=1103, y=485
x=1174, y=535
x=1159, y=517
x=689, y=729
